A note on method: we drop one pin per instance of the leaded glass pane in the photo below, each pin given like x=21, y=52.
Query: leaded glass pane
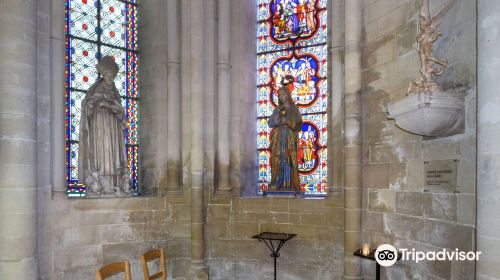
x=95, y=28
x=291, y=40
x=83, y=63
x=113, y=23
x=82, y=18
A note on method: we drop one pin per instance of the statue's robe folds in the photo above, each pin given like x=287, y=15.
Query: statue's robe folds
x=284, y=148
x=102, y=152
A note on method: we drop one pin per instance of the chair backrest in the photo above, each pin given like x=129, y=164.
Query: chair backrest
x=153, y=255
x=112, y=269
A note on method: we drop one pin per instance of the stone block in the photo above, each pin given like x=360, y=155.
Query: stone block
x=221, y=269
x=161, y=217
x=440, y=150
x=405, y=227
x=405, y=38
x=178, y=248
x=382, y=154
x=375, y=238
x=440, y=206
x=415, y=176
x=24, y=269
x=250, y=249
x=218, y=230
x=222, y=249
x=251, y=217
x=79, y=237
x=294, y=218
x=261, y=205
x=18, y=201
x=373, y=221
x=383, y=200
x=466, y=209
x=280, y=218
x=244, y=230
x=379, y=52
x=246, y=269
x=155, y=231
x=463, y=270
x=180, y=230
x=312, y=219
x=449, y=235
x=334, y=217
x=177, y=268
x=120, y=233
x=128, y=250
x=80, y=273
x=280, y=204
x=182, y=213
x=376, y=175
x=69, y=259
x=409, y=203
x=466, y=176
x=218, y=212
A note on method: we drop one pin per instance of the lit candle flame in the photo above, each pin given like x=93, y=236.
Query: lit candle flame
x=366, y=249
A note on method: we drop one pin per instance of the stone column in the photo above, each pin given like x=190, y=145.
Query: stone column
x=352, y=138
x=18, y=189
x=153, y=93
x=224, y=97
x=335, y=86
x=57, y=86
x=488, y=147
x=174, y=96
x=198, y=268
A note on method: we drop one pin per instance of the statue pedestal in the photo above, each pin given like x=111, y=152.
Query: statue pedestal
x=430, y=113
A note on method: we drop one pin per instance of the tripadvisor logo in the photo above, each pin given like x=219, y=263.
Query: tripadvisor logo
x=388, y=255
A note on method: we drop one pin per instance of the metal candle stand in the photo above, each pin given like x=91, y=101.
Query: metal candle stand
x=371, y=256
x=269, y=237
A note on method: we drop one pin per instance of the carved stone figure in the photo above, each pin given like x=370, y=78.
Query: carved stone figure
x=102, y=164
x=287, y=122
x=428, y=34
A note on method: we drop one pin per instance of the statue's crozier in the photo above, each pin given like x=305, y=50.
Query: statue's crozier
x=102, y=163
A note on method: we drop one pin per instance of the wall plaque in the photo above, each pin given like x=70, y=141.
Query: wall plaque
x=440, y=175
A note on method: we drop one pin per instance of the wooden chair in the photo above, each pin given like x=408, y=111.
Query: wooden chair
x=112, y=269
x=152, y=255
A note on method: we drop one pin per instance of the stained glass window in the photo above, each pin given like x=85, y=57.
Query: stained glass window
x=291, y=40
x=94, y=29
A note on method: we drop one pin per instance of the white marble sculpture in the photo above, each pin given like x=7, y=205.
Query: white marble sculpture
x=430, y=65
x=428, y=110
x=102, y=152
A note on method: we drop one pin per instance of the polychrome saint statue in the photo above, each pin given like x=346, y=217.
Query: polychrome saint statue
x=287, y=122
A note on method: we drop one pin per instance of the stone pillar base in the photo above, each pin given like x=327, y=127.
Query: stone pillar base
x=197, y=271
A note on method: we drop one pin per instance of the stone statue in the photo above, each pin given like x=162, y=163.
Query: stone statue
x=287, y=122
x=102, y=163
x=430, y=65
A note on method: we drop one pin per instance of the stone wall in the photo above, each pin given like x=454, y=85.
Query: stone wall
x=76, y=236
x=397, y=209
x=316, y=253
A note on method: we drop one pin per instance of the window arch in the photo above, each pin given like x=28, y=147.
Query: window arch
x=292, y=40
x=96, y=28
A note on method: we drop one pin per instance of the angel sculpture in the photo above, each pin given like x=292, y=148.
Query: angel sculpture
x=430, y=65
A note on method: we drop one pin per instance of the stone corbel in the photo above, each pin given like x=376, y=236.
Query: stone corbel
x=429, y=113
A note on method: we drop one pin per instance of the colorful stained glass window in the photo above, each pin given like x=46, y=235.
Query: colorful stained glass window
x=94, y=29
x=292, y=40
